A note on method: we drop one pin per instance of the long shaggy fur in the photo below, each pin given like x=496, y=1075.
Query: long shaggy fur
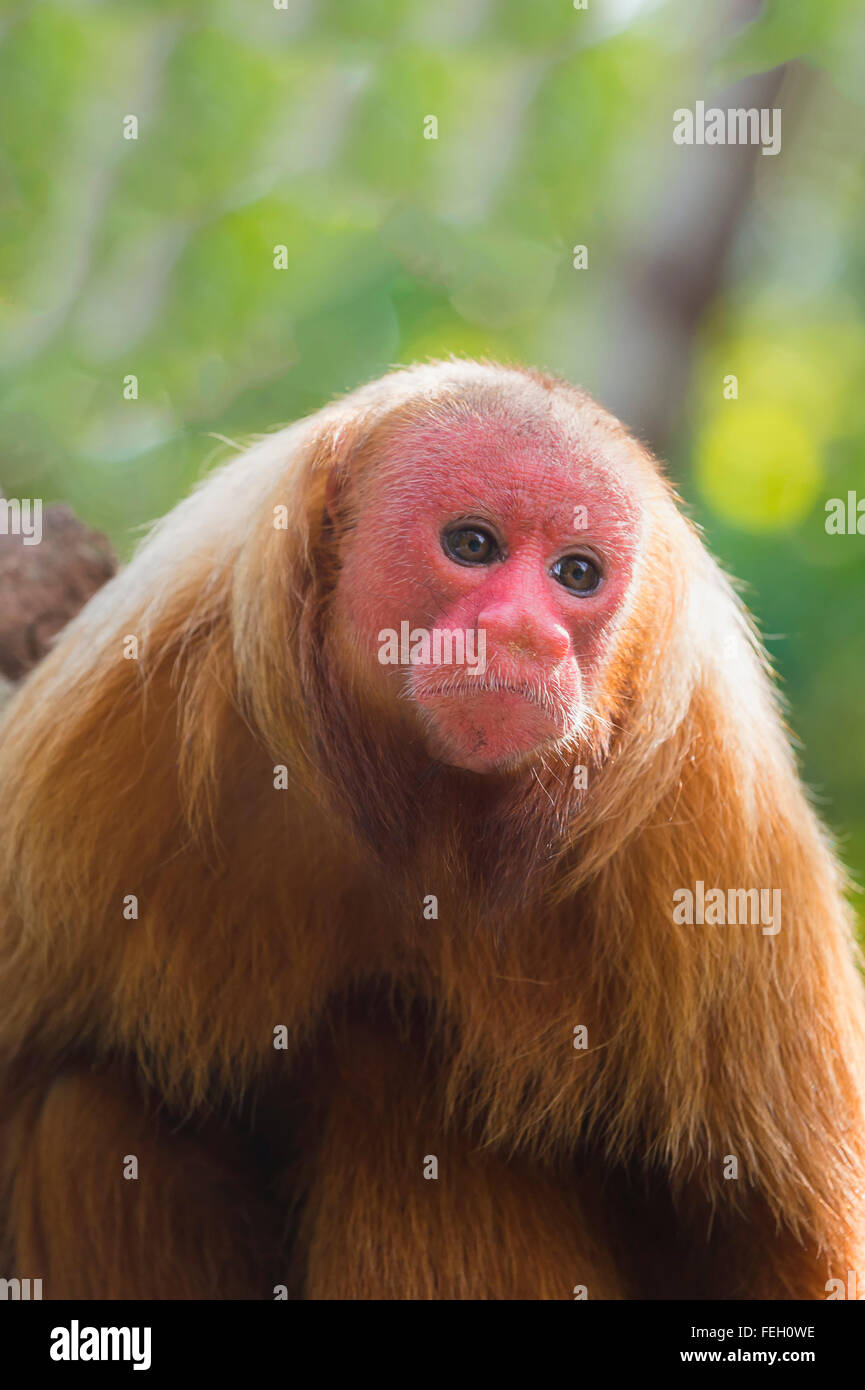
x=303, y=907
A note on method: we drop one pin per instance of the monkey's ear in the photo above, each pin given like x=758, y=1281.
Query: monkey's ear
x=337, y=455
x=333, y=491
x=337, y=497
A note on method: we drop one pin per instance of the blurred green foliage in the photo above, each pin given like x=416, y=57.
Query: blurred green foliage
x=303, y=127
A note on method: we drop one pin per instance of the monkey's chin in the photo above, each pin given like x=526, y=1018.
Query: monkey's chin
x=488, y=733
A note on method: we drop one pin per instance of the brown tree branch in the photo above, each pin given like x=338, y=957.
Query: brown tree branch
x=43, y=586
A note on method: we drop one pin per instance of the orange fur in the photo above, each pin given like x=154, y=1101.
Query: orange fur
x=303, y=907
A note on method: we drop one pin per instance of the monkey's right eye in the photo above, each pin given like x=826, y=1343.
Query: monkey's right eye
x=469, y=545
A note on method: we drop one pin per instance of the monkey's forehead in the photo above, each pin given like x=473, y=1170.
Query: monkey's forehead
x=514, y=462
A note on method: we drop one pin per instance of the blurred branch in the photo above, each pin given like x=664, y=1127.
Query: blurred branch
x=674, y=274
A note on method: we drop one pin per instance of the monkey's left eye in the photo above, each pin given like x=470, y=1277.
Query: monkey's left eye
x=470, y=545
x=579, y=573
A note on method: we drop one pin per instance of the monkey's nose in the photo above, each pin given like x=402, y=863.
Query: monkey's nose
x=522, y=635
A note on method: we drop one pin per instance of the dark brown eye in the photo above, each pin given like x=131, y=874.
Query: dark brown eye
x=470, y=545
x=578, y=573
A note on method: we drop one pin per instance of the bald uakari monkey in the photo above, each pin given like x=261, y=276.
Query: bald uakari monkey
x=379, y=965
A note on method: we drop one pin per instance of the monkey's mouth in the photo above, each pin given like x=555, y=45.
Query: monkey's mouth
x=484, y=722
x=499, y=690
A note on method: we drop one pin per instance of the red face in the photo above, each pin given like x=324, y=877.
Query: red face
x=513, y=555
